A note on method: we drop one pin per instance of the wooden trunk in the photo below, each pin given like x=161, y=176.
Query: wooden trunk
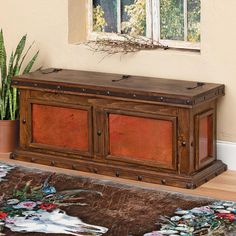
x=147, y=129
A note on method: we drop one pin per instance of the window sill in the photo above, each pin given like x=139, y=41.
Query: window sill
x=180, y=45
x=169, y=44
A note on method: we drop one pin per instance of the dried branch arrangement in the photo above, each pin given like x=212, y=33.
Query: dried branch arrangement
x=124, y=44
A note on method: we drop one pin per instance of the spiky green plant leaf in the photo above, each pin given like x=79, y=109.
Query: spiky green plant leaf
x=8, y=95
x=31, y=63
x=23, y=58
x=17, y=55
x=10, y=66
x=10, y=104
x=3, y=58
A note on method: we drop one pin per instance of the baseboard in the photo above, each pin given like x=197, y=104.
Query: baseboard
x=226, y=151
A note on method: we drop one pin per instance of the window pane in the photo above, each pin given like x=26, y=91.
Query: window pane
x=105, y=15
x=194, y=7
x=172, y=19
x=133, y=17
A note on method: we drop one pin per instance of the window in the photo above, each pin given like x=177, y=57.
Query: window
x=175, y=23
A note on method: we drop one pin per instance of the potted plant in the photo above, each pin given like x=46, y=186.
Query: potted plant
x=9, y=103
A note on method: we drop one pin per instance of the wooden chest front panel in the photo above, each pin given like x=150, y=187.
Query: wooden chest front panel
x=56, y=123
x=60, y=127
x=205, y=138
x=142, y=139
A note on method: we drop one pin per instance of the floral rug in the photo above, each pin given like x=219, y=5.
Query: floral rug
x=33, y=202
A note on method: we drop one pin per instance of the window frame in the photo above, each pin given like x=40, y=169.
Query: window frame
x=153, y=30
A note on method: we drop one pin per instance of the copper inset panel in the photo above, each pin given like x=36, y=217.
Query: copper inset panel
x=141, y=138
x=60, y=126
x=205, y=137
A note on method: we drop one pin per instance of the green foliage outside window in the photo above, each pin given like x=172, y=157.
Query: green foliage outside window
x=99, y=21
x=134, y=18
x=172, y=19
x=105, y=15
x=136, y=24
x=194, y=15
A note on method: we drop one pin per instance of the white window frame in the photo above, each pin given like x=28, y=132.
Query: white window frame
x=153, y=26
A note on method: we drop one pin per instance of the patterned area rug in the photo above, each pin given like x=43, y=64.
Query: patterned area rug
x=34, y=202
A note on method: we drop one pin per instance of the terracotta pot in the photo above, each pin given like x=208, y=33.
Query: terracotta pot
x=9, y=135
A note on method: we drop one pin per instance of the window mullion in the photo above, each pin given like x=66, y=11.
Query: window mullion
x=185, y=20
x=149, y=19
x=156, y=19
x=90, y=16
x=119, y=16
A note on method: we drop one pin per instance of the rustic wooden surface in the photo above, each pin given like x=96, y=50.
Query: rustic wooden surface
x=106, y=80
x=130, y=87
x=128, y=156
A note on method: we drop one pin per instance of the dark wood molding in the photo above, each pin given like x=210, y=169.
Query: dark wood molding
x=183, y=181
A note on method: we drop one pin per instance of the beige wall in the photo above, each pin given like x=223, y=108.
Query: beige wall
x=46, y=21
